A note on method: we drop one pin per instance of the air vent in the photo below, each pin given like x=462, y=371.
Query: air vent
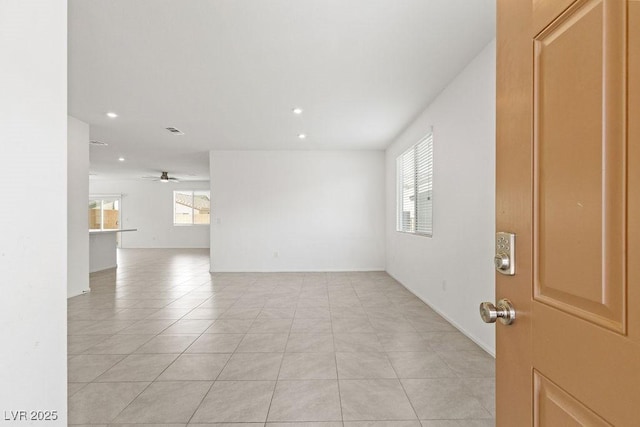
x=98, y=143
x=175, y=131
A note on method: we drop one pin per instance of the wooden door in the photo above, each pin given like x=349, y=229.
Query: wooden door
x=568, y=185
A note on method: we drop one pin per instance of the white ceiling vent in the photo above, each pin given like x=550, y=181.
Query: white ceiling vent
x=175, y=131
x=98, y=143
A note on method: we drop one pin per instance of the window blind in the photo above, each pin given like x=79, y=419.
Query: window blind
x=415, y=188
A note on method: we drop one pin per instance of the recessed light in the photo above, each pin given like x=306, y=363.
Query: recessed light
x=297, y=111
x=121, y=159
x=302, y=135
x=112, y=115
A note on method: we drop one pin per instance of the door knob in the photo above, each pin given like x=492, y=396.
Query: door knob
x=503, y=311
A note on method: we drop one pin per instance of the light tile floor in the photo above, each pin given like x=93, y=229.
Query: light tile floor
x=163, y=342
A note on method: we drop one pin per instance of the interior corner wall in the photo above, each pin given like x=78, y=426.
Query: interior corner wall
x=33, y=217
x=148, y=207
x=453, y=270
x=77, y=199
x=297, y=210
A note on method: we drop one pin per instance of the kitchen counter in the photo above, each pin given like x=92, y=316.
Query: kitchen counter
x=102, y=249
x=111, y=231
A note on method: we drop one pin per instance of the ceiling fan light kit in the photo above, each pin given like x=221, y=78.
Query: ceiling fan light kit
x=164, y=177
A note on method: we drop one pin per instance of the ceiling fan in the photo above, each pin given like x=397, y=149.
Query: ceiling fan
x=164, y=177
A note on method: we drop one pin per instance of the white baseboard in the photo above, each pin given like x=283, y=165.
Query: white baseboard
x=82, y=292
x=445, y=317
x=314, y=270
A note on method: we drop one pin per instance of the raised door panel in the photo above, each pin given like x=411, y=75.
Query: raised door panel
x=545, y=11
x=597, y=367
x=554, y=407
x=579, y=146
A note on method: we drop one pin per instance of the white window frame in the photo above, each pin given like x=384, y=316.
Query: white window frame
x=192, y=224
x=422, y=176
x=107, y=198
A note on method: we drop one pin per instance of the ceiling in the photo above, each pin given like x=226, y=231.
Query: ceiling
x=229, y=72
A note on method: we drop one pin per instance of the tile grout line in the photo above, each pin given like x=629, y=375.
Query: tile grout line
x=154, y=380
x=284, y=352
x=335, y=358
x=404, y=390
x=139, y=394
x=204, y=396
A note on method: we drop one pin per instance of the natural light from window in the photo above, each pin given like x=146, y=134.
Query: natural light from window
x=415, y=188
x=104, y=213
x=191, y=207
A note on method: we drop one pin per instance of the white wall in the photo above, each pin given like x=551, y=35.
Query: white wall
x=33, y=177
x=77, y=197
x=453, y=270
x=297, y=210
x=148, y=206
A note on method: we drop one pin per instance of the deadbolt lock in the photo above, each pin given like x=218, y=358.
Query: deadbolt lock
x=505, y=259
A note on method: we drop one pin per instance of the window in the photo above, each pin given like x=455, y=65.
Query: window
x=104, y=212
x=415, y=188
x=191, y=207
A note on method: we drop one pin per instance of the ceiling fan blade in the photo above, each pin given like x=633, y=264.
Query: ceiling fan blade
x=164, y=177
